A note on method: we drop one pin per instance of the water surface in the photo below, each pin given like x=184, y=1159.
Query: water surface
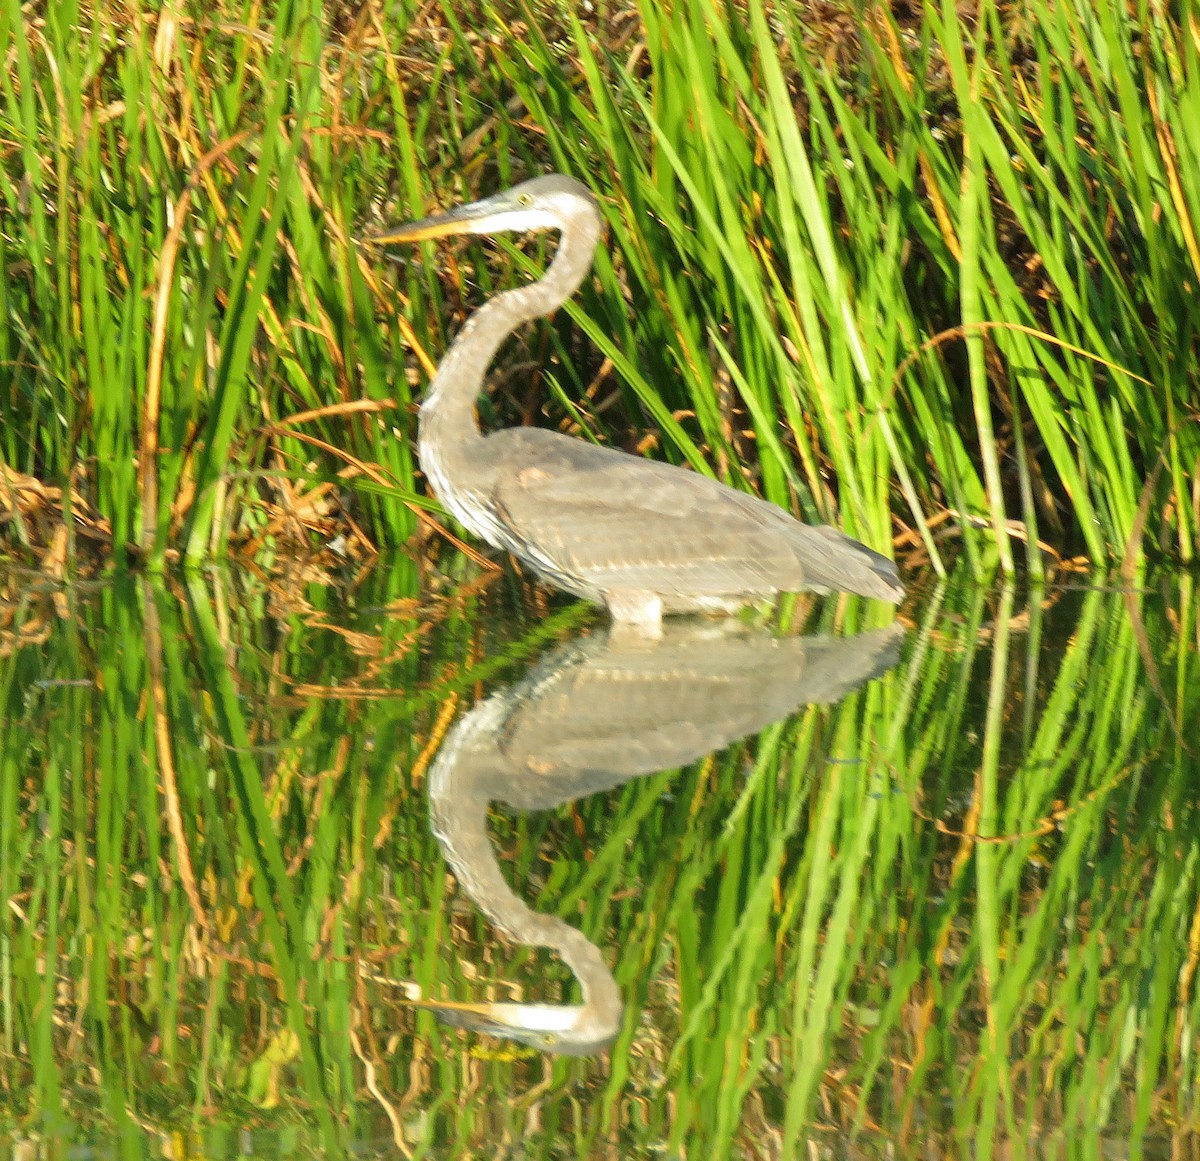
x=927, y=890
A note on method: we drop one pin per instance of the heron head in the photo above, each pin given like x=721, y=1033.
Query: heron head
x=551, y=202
x=563, y=1029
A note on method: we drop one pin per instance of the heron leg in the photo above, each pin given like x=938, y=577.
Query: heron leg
x=638, y=611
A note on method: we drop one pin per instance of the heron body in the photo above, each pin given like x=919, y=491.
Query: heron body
x=641, y=537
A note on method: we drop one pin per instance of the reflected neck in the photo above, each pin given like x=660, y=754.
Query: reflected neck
x=460, y=826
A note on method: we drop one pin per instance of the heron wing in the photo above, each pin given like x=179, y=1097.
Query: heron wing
x=618, y=521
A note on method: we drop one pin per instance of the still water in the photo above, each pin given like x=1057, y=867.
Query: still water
x=308, y=865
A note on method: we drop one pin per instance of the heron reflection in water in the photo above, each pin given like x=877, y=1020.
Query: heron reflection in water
x=594, y=714
x=640, y=537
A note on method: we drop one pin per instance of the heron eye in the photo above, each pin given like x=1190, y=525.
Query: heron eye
x=526, y=199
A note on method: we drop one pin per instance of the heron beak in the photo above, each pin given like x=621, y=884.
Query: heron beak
x=460, y=220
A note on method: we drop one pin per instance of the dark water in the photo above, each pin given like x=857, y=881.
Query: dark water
x=819, y=884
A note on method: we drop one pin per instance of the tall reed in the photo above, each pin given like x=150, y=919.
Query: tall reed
x=927, y=278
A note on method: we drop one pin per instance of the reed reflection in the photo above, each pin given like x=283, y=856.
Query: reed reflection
x=594, y=713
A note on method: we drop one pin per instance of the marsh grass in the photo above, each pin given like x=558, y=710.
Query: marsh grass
x=930, y=279
x=956, y=908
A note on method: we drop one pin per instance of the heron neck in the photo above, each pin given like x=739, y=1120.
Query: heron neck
x=448, y=426
x=460, y=825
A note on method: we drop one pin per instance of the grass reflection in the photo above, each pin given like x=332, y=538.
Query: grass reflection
x=957, y=910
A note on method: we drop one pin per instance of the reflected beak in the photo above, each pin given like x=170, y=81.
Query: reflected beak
x=477, y=1017
x=557, y=1028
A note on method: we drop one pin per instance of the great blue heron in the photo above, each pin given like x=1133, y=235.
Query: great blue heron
x=641, y=537
x=592, y=715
